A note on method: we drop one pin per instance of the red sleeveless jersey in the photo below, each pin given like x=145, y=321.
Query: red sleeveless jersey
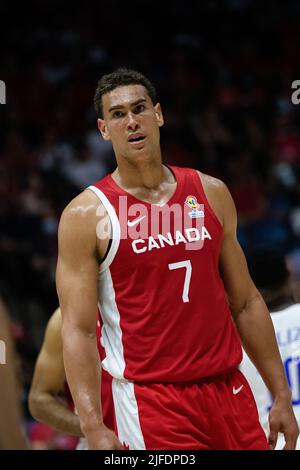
x=162, y=300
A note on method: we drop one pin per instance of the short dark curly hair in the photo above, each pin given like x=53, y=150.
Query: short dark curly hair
x=121, y=77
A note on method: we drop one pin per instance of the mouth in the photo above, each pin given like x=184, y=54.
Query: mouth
x=136, y=139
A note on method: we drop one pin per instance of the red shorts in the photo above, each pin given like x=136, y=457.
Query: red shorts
x=107, y=400
x=212, y=414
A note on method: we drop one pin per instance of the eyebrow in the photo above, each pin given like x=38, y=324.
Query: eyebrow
x=118, y=106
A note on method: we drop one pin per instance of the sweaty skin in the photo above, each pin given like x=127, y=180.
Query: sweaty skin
x=252, y=317
x=128, y=112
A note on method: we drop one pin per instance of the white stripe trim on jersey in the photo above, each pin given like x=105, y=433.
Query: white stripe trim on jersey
x=111, y=332
x=127, y=415
x=116, y=230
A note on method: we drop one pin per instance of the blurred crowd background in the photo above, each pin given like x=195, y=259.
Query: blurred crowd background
x=223, y=72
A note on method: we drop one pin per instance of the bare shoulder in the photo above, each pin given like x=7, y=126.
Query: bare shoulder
x=219, y=198
x=212, y=184
x=84, y=206
x=84, y=229
x=78, y=222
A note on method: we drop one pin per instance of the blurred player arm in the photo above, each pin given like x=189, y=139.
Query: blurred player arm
x=12, y=436
x=76, y=278
x=254, y=325
x=48, y=380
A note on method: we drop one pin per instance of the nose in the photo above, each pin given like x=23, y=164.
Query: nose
x=132, y=123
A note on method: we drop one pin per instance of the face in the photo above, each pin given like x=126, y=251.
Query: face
x=131, y=121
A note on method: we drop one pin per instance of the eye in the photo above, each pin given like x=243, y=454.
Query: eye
x=139, y=108
x=117, y=114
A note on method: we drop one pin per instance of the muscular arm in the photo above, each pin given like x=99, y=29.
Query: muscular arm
x=248, y=308
x=251, y=317
x=11, y=431
x=48, y=380
x=77, y=274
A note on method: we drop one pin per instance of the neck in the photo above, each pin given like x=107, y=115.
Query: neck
x=148, y=174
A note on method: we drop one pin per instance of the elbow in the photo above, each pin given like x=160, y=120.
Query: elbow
x=72, y=334
x=36, y=405
x=246, y=306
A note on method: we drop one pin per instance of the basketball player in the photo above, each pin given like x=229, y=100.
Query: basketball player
x=269, y=272
x=12, y=434
x=49, y=382
x=156, y=247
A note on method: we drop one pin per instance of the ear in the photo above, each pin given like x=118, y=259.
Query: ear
x=103, y=129
x=159, y=116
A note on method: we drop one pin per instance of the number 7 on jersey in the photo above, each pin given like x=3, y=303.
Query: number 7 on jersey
x=187, y=265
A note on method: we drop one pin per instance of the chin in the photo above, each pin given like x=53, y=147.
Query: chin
x=141, y=156
x=138, y=153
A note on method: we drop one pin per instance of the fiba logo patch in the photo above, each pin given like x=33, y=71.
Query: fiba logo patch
x=2, y=352
x=2, y=92
x=192, y=203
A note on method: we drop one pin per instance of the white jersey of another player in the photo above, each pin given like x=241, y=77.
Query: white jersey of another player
x=287, y=327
